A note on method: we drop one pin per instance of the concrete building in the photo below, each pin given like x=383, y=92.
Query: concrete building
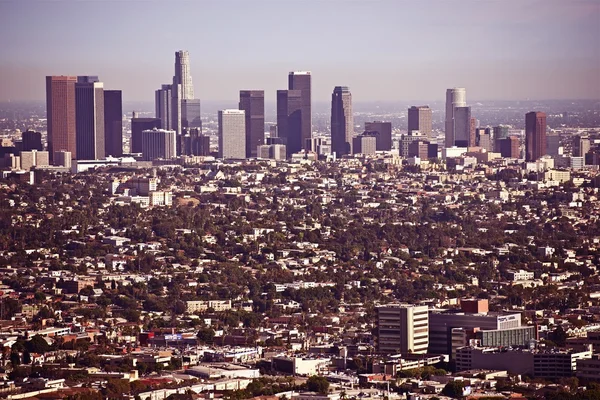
x=232, y=134
x=342, y=121
x=419, y=119
x=509, y=147
x=540, y=364
x=163, y=102
x=62, y=159
x=463, y=127
x=364, y=144
x=402, y=328
x=384, y=134
x=441, y=324
x=406, y=140
x=589, y=368
x=300, y=366
x=34, y=158
x=183, y=75
x=158, y=143
x=138, y=125
x=553, y=147
x=89, y=121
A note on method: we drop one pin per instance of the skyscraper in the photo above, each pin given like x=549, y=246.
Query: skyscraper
x=384, y=134
x=253, y=104
x=60, y=108
x=456, y=97
x=113, y=123
x=190, y=114
x=139, y=125
x=31, y=140
x=89, y=106
x=232, y=134
x=419, y=119
x=183, y=76
x=342, y=121
x=301, y=80
x=535, y=135
x=462, y=127
x=289, y=119
x=158, y=143
x=164, y=106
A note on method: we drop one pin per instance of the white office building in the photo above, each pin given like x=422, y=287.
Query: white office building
x=232, y=134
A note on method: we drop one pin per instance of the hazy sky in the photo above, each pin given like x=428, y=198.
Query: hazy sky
x=383, y=50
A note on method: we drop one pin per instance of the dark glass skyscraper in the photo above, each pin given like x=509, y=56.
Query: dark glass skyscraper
x=342, y=121
x=301, y=80
x=113, y=123
x=535, y=135
x=60, y=111
x=190, y=113
x=89, y=105
x=253, y=103
x=289, y=119
x=31, y=140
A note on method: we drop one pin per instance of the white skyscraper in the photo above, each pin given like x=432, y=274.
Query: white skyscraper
x=183, y=75
x=232, y=134
x=456, y=97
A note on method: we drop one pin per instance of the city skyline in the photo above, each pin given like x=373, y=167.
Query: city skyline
x=529, y=50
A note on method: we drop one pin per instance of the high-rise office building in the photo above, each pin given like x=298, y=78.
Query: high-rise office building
x=139, y=125
x=164, y=106
x=342, y=121
x=89, y=126
x=301, y=80
x=183, y=75
x=113, y=123
x=535, y=135
x=60, y=108
x=461, y=127
x=253, y=104
x=509, y=147
x=384, y=134
x=483, y=136
x=190, y=114
x=581, y=146
x=456, y=97
x=158, y=143
x=364, y=144
x=232, y=134
x=402, y=329
x=419, y=119
x=31, y=140
x=289, y=119
x=500, y=132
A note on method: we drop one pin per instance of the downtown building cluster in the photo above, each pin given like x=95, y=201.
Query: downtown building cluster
x=85, y=123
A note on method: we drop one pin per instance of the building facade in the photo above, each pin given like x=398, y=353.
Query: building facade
x=158, y=143
x=402, y=329
x=113, y=123
x=289, y=119
x=342, y=121
x=419, y=119
x=301, y=80
x=60, y=111
x=535, y=135
x=455, y=97
x=253, y=104
x=232, y=134
x=384, y=134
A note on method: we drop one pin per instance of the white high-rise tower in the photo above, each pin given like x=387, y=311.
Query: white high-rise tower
x=455, y=97
x=183, y=75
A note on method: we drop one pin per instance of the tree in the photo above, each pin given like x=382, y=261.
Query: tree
x=26, y=357
x=37, y=344
x=453, y=389
x=206, y=335
x=317, y=384
x=15, y=359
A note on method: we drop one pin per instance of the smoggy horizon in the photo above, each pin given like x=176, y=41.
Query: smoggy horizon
x=383, y=50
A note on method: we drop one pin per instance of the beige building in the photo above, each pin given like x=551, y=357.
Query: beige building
x=402, y=328
x=34, y=158
x=204, y=305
